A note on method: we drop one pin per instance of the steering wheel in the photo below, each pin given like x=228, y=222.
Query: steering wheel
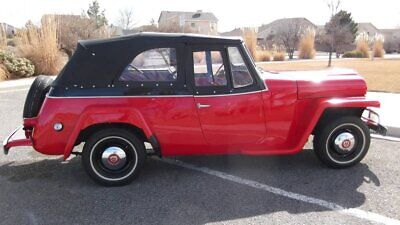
x=135, y=68
x=219, y=70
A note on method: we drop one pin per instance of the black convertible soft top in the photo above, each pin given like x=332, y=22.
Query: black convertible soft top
x=99, y=62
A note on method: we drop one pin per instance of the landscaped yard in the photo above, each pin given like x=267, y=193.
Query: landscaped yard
x=380, y=74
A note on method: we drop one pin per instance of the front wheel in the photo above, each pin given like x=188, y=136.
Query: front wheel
x=113, y=157
x=342, y=143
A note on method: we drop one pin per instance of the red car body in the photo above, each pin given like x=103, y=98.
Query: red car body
x=277, y=116
x=277, y=120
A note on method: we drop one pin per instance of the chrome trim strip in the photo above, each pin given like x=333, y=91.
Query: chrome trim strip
x=233, y=94
x=137, y=96
x=160, y=96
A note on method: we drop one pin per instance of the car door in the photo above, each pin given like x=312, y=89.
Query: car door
x=227, y=97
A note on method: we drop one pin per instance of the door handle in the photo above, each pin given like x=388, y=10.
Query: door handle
x=200, y=106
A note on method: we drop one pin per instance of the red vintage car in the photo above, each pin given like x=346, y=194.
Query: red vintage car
x=189, y=95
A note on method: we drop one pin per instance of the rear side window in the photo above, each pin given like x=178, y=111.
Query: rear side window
x=241, y=76
x=155, y=65
x=209, y=69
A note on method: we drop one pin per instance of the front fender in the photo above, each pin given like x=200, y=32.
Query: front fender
x=331, y=103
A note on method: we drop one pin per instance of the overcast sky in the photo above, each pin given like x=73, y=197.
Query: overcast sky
x=231, y=13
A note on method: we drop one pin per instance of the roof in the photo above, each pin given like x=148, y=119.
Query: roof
x=188, y=16
x=238, y=32
x=390, y=31
x=369, y=28
x=100, y=61
x=161, y=37
x=8, y=28
x=266, y=29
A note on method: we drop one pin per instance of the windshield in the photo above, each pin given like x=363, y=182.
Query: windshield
x=258, y=69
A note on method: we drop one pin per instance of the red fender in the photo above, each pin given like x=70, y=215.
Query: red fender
x=98, y=115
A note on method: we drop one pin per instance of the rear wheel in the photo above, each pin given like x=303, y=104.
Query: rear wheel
x=342, y=143
x=113, y=157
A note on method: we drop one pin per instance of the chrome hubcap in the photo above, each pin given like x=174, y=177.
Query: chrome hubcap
x=113, y=158
x=344, y=142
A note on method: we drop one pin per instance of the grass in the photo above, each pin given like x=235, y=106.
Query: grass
x=362, y=45
x=250, y=38
x=262, y=56
x=306, y=46
x=378, y=51
x=279, y=56
x=380, y=74
x=3, y=37
x=40, y=45
x=4, y=75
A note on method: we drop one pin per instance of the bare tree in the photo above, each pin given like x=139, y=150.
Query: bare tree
x=71, y=28
x=289, y=35
x=333, y=6
x=126, y=19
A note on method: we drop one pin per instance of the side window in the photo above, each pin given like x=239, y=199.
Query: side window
x=241, y=76
x=155, y=65
x=209, y=70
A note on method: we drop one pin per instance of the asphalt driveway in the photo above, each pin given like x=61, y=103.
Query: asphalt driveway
x=297, y=189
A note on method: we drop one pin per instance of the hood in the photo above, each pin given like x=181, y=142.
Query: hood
x=325, y=83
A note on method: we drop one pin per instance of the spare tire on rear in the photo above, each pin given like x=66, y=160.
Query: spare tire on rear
x=36, y=95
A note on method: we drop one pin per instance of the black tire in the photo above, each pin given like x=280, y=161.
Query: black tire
x=36, y=95
x=349, y=149
x=130, y=162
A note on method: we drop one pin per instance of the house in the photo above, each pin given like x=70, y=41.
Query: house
x=392, y=40
x=368, y=28
x=10, y=30
x=196, y=22
x=267, y=32
x=239, y=32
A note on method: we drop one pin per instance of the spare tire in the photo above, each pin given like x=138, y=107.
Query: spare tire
x=36, y=95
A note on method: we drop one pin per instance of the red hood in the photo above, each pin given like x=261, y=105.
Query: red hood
x=324, y=83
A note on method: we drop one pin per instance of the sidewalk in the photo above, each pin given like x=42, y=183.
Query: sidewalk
x=389, y=111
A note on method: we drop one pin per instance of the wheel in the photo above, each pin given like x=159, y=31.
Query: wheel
x=36, y=96
x=342, y=143
x=113, y=157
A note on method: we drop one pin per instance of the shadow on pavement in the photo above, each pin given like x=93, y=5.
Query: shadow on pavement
x=51, y=192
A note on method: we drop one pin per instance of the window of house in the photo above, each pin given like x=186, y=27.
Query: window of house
x=155, y=65
x=209, y=69
x=241, y=76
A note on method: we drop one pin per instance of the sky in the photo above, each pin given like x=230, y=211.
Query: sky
x=231, y=13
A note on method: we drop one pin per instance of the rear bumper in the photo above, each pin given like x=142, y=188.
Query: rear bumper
x=371, y=118
x=16, y=139
x=22, y=136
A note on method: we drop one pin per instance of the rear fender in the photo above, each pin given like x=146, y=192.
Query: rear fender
x=101, y=115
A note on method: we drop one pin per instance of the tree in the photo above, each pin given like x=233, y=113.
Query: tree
x=289, y=35
x=71, y=28
x=96, y=14
x=341, y=31
x=126, y=20
x=333, y=6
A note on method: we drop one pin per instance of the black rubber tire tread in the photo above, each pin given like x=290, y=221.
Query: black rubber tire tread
x=36, y=95
x=321, y=137
x=131, y=137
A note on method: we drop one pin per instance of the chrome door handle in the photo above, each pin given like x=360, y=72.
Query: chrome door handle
x=200, y=106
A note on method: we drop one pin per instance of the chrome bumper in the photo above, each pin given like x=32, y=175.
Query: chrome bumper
x=371, y=118
x=13, y=140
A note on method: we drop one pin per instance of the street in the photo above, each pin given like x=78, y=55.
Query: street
x=296, y=189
